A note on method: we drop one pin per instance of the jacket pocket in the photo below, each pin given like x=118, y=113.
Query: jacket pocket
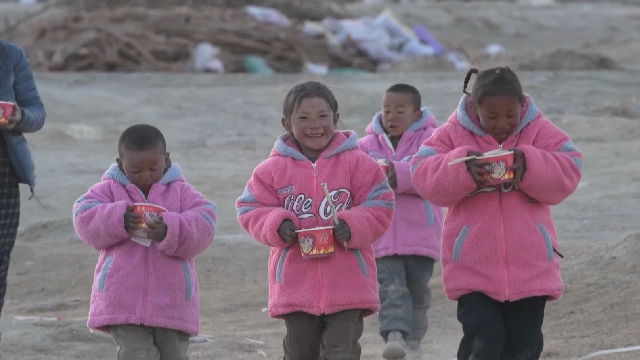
x=188, y=284
x=283, y=256
x=103, y=273
x=361, y=264
x=457, y=245
x=428, y=212
x=547, y=242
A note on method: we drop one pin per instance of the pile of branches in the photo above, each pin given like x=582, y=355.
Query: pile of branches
x=163, y=39
x=314, y=10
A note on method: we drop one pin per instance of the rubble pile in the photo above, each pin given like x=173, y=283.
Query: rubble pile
x=142, y=39
x=223, y=36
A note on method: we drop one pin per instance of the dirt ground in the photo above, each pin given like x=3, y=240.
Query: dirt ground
x=219, y=128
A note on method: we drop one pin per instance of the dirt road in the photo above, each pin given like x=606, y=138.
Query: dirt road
x=219, y=128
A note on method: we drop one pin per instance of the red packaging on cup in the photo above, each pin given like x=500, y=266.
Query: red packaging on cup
x=498, y=168
x=316, y=242
x=384, y=164
x=6, y=109
x=147, y=212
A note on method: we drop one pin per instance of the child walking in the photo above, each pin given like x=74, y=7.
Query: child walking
x=405, y=255
x=499, y=256
x=145, y=294
x=322, y=300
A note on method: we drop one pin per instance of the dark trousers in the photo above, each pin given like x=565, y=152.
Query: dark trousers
x=403, y=288
x=496, y=330
x=325, y=337
x=9, y=215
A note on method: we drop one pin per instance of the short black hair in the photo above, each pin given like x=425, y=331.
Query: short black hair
x=309, y=89
x=494, y=81
x=141, y=137
x=416, y=99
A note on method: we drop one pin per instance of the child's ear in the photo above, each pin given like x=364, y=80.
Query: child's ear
x=418, y=116
x=336, y=118
x=119, y=162
x=286, y=124
x=473, y=106
x=167, y=161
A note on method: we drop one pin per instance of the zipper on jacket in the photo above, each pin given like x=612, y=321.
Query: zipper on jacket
x=387, y=140
x=393, y=150
x=315, y=194
x=143, y=308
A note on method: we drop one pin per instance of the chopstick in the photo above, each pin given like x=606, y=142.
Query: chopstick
x=333, y=208
x=463, y=159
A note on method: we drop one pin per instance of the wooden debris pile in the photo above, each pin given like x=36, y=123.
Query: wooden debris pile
x=313, y=10
x=163, y=39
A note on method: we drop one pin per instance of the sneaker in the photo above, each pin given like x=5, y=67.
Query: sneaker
x=414, y=351
x=394, y=349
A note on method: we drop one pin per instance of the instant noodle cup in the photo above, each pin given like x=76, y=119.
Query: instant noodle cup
x=384, y=164
x=498, y=168
x=147, y=212
x=6, y=109
x=316, y=242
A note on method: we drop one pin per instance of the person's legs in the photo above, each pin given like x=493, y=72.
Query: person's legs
x=396, y=308
x=172, y=344
x=419, y=271
x=341, y=336
x=482, y=326
x=9, y=217
x=304, y=334
x=135, y=342
x=523, y=321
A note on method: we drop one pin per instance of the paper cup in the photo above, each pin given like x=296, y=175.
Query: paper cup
x=6, y=109
x=498, y=169
x=384, y=165
x=147, y=211
x=316, y=242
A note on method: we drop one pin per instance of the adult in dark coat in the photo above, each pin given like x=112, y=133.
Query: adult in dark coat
x=16, y=163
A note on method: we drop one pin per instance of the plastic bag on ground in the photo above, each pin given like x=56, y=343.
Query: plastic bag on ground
x=205, y=58
x=268, y=15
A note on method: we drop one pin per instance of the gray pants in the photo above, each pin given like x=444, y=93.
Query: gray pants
x=403, y=287
x=137, y=342
x=325, y=337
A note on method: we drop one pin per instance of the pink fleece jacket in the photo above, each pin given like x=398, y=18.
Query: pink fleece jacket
x=154, y=286
x=500, y=240
x=287, y=186
x=416, y=228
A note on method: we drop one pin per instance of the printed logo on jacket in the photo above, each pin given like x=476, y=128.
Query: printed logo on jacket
x=302, y=206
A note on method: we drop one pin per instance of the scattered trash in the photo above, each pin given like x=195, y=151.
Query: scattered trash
x=612, y=351
x=268, y=15
x=205, y=58
x=262, y=353
x=316, y=69
x=200, y=339
x=493, y=49
x=256, y=341
x=348, y=71
x=46, y=319
x=425, y=36
x=256, y=65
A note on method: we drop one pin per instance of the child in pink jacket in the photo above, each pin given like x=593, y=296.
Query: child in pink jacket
x=146, y=296
x=322, y=300
x=406, y=253
x=499, y=251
